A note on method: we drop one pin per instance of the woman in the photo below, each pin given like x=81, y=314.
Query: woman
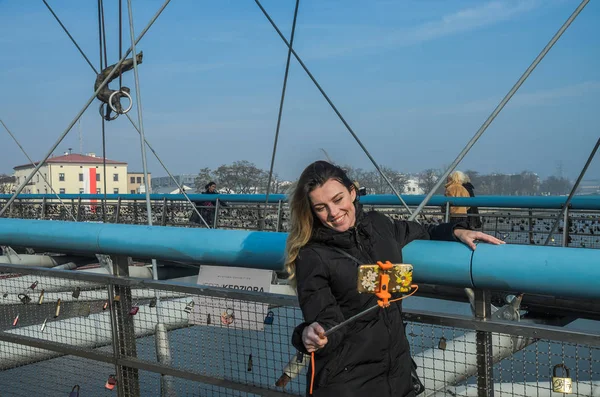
x=371, y=355
x=454, y=188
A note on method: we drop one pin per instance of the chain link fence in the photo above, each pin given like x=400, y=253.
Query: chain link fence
x=62, y=329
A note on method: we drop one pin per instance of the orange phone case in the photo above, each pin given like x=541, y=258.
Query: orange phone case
x=400, y=278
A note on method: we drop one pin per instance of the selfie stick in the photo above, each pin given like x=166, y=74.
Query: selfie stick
x=382, y=293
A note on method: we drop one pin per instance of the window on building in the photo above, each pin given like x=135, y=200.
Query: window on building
x=115, y=177
x=132, y=191
x=61, y=190
x=139, y=179
x=116, y=190
x=45, y=190
x=38, y=191
x=80, y=190
x=97, y=177
x=98, y=191
x=132, y=179
x=61, y=177
x=80, y=177
x=38, y=178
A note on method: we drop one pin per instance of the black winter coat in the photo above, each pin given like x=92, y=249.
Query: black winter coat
x=474, y=221
x=369, y=357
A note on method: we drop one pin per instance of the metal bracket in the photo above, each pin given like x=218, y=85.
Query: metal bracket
x=106, y=262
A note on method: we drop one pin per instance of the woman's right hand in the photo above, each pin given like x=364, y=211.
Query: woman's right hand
x=313, y=337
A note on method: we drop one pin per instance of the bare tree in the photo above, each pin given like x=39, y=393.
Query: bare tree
x=7, y=183
x=554, y=185
x=241, y=177
x=204, y=176
x=428, y=179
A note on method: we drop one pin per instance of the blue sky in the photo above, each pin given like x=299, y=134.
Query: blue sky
x=414, y=79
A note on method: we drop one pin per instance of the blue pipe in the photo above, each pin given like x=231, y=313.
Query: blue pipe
x=538, y=202
x=261, y=250
x=568, y=272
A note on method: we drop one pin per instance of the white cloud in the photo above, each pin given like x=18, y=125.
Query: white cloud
x=361, y=37
x=537, y=98
x=465, y=20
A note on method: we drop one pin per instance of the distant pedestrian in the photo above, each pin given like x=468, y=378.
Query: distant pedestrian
x=205, y=208
x=473, y=212
x=454, y=188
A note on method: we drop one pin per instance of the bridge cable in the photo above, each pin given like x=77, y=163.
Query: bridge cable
x=71, y=37
x=43, y=177
x=285, y=78
x=132, y=122
x=573, y=189
x=103, y=48
x=375, y=164
x=79, y=114
x=500, y=106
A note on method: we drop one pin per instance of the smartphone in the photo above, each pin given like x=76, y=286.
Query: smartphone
x=400, y=278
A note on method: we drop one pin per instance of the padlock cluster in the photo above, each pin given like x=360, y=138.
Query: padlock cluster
x=25, y=298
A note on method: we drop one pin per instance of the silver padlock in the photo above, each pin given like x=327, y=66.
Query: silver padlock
x=562, y=384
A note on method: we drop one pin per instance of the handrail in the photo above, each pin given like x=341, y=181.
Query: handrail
x=587, y=202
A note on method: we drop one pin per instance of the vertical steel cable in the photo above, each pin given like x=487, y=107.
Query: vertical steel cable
x=79, y=114
x=501, y=105
x=285, y=78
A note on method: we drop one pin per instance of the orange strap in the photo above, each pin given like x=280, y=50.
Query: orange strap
x=312, y=376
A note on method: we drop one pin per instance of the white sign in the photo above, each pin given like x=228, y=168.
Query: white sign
x=231, y=313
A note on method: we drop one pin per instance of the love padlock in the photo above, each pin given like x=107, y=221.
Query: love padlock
x=152, y=302
x=57, y=311
x=134, y=310
x=41, y=298
x=564, y=384
x=32, y=286
x=442, y=343
x=24, y=298
x=269, y=318
x=76, y=293
x=111, y=382
x=74, y=391
x=189, y=307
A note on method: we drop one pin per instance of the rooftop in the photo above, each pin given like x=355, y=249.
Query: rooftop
x=73, y=158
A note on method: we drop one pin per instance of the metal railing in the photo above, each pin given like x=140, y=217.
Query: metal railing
x=517, y=220
x=221, y=342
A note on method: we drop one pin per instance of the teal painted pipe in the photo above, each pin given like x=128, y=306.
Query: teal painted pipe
x=554, y=271
x=538, y=202
x=261, y=250
x=568, y=272
x=439, y=262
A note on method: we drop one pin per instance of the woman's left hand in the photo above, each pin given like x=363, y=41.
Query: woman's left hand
x=470, y=236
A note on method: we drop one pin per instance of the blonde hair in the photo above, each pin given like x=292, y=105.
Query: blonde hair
x=456, y=177
x=301, y=213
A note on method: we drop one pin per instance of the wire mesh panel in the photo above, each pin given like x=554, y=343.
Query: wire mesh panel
x=195, y=340
x=240, y=342
x=447, y=363
x=57, y=377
